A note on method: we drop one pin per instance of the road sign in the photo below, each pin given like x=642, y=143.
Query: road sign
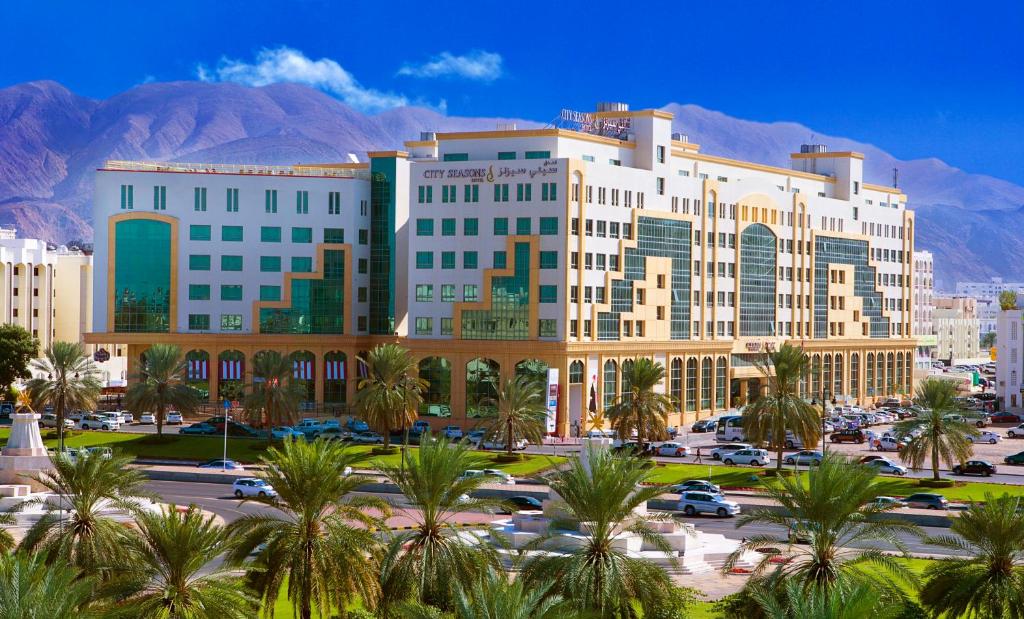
x=101, y=355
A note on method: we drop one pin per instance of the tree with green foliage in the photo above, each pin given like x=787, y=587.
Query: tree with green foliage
x=984, y=576
x=275, y=392
x=67, y=379
x=175, y=570
x=519, y=413
x=319, y=538
x=988, y=340
x=493, y=596
x=32, y=588
x=162, y=384
x=937, y=434
x=781, y=409
x=390, y=394
x=423, y=564
x=1007, y=300
x=640, y=408
x=17, y=349
x=596, y=576
x=844, y=601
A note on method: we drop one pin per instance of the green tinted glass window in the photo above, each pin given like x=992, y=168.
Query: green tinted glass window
x=500, y=260
x=501, y=226
x=549, y=294
x=334, y=235
x=302, y=235
x=270, y=264
x=270, y=234
x=230, y=263
x=506, y=155
x=508, y=318
x=547, y=327
x=471, y=226
x=230, y=322
x=302, y=264
x=523, y=225
x=424, y=227
x=549, y=259
x=548, y=225
x=231, y=234
x=270, y=293
x=198, y=233
x=447, y=227
x=538, y=154
x=199, y=262
x=447, y=260
x=230, y=292
x=198, y=292
x=316, y=305
x=199, y=322
x=456, y=156
x=424, y=260
x=469, y=260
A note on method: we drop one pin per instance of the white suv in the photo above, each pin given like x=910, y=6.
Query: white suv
x=174, y=418
x=720, y=452
x=693, y=503
x=95, y=422
x=753, y=457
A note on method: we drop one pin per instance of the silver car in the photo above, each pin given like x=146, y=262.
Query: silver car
x=693, y=503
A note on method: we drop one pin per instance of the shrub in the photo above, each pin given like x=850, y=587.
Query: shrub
x=940, y=483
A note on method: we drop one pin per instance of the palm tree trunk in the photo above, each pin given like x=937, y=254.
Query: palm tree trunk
x=160, y=420
x=935, y=461
x=270, y=424
x=508, y=437
x=60, y=424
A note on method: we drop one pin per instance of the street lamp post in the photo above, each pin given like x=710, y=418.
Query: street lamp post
x=824, y=402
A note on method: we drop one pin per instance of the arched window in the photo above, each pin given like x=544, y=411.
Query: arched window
x=837, y=371
x=230, y=374
x=197, y=367
x=855, y=375
x=827, y=379
x=816, y=376
x=890, y=378
x=303, y=369
x=880, y=373
x=899, y=373
x=576, y=372
x=609, y=382
x=676, y=381
x=335, y=377
x=757, y=281
x=626, y=387
x=720, y=380
x=437, y=397
x=535, y=370
x=705, y=383
x=691, y=384
x=869, y=374
x=482, y=376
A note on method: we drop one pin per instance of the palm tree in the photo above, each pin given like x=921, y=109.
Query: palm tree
x=519, y=412
x=842, y=602
x=596, y=576
x=985, y=575
x=941, y=438
x=7, y=542
x=846, y=530
x=174, y=573
x=162, y=384
x=30, y=588
x=424, y=563
x=276, y=394
x=641, y=408
x=769, y=417
x=389, y=396
x=492, y=596
x=321, y=537
x=70, y=382
x=87, y=538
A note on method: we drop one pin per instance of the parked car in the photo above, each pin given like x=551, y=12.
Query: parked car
x=926, y=500
x=866, y=459
x=696, y=485
x=517, y=445
x=126, y=417
x=201, y=428
x=475, y=436
x=753, y=457
x=985, y=437
x=331, y=434
x=1016, y=431
x=975, y=467
x=367, y=438
x=420, y=426
x=887, y=467
x=49, y=420
x=174, y=418
x=357, y=425
x=1004, y=418
x=720, y=452
x=251, y=486
x=704, y=425
x=229, y=465
x=453, y=433
x=676, y=450
x=888, y=443
x=847, y=436
x=693, y=503
x=517, y=503
x=806, y=457
x=887, y=502
x=281, y=433
x=95, y=422
x=147, y=419
x=1017, y=458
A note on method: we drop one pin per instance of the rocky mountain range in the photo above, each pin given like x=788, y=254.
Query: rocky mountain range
x=52, y=140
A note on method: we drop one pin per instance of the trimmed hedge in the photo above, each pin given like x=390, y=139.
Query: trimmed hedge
x=932, y=483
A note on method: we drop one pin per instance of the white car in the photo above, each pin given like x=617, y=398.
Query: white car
x=1016, y=431
x=500, y=477
x=95, y=422
x=49, y=420
x=676, y=450
x=368, y=438
x=126, y=417
x=985, y=437
x=516, y=445
x=250, y=486
x=887, y=467
x=753, y=457
x=693, y=503
x=174, y=418
x=720, y=452
x=147, y=418
x=888, y=443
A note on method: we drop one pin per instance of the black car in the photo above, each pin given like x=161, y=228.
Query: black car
x=516, y=503
x=926, y=500
x=975, y=467
x=704, y=425
x=632, y=447
x=847, y=436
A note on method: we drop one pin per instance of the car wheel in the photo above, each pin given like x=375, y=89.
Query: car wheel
x=834, y=439
x=727, y=461
x=932, y=507
x=238, y=494
x=716, y=457
x=988, y=473
x=689, y=510
x=789, y=444
x=262, y=494
x=755, y=463
x=790, y=461
x=992, y=441
x=721, y=512
x=956, y=470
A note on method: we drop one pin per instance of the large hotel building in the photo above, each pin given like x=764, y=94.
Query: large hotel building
x=563, y=253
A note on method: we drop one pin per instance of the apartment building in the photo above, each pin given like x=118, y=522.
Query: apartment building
x=924, y=307
x=987, y=295
x=957, y=334
x=561, y=253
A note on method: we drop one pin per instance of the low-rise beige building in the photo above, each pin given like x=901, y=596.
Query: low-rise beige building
x=957, y=328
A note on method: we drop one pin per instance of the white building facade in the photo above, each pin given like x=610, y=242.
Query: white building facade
x=1010, y=359
x=987, y=294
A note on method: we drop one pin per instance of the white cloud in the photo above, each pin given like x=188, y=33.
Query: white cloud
x=476, y=65
x=285, y=64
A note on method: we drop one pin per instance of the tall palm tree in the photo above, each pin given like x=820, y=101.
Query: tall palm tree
x=847, y=532
x=985, y=576
x=640, y=407
x=66, y=379
x=939, y=438
x=321, y=537
x=492, y=596
x=7, y=543
x=424, y=563
x=596, y=576
x=854, y=601
x=162, y=384
x=174, y=572
x=277, y=394
x=30, y=588
x=389, y=396
x=87, y=538
x=519, y=412
x=769, y=417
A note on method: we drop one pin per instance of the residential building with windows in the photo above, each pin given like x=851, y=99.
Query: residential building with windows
x=987, y=295
x=957, y=337
x=1010, y=359
x=561, y=253
x=924, y=307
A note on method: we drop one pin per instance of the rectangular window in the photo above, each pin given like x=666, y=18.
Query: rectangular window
x=230, y=263
x=200, y=202
x=502, y=156
x=470, y=226
x=523, y=225
x=159, y=198
x=501, y=226
x=424, y=326
x=198, y=233
x=270, y=293
x=232, y=200
x=501, y=192
x=270, y=234
x=549, y=226
x=270, y=264
x=424, y=293
x=127, y=197
x=362, y=266
x=447, y=193
x=424, y=227
x=424, y=260
x=447, y=327
x=549, y=192
x=334, y=235
x=548, y=294
x=500, y=259
x=547, y=327
x=472, y=193
x=302, y=264
x=231, y=234
x=448, y=292
x=198, y=292
x=448, y=260
x=364, y=236
x=302, y=235
x=199, y=262
x=334, y=203
x=301, y=202
x=426, y=194
x=362, y=294
x=469, y=260
x=199, y=322
x=230, y=322
x=524, y=192
x=456, y=157
x=538, y=154
x=549, y=259
x=661, y=154
x=270, y=200
x=469, y=293
x=230, y=292
x=448, y=227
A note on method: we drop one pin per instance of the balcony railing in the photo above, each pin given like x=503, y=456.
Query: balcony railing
x=236, y=168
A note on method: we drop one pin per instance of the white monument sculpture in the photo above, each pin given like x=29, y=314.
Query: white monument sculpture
x=24, y=456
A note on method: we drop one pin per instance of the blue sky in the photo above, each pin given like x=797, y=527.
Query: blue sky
x=918, y=79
